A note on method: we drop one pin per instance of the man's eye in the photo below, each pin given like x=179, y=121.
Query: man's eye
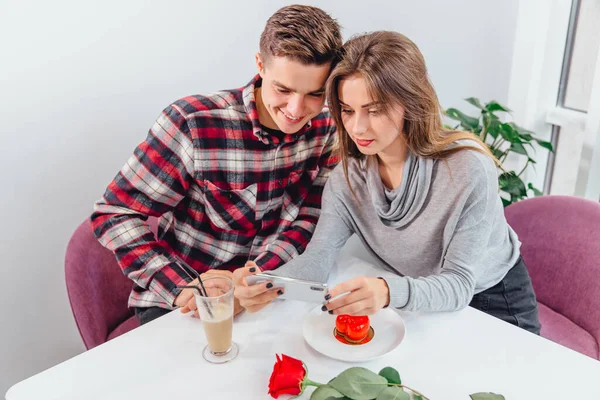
x=282, y=91
x=346, y=111
x=320, y=94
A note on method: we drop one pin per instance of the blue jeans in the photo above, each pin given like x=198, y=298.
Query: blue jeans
x=512, y=299
x=145, y=315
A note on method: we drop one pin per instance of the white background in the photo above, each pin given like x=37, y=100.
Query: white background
x=82, y=81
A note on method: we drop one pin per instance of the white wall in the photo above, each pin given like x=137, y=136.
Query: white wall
x=82, y=81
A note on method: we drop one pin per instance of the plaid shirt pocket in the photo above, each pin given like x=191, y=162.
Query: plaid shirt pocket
x=230, y=210
x=296, y=192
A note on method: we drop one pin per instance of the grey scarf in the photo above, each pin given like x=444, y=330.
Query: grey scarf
x=396, y=208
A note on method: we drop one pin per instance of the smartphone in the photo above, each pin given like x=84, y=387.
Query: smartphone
x=293, y=289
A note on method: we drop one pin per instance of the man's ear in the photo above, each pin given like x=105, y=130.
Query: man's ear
x=260, y=64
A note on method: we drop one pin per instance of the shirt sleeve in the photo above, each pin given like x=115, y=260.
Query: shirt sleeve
x=331, y=233
x=294, y=240
x=454, y=287
x=152, y=182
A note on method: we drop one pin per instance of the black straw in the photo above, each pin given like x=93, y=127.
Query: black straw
x=188, y=268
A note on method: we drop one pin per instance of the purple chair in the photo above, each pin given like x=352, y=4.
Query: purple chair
x=98, y=291
x=561, y=247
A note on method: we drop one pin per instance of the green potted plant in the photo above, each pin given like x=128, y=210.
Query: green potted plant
x=502, y=138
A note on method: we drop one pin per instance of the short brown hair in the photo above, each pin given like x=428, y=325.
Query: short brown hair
x=302, y=33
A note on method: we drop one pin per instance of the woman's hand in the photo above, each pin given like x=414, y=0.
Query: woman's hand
x=255, y=297
x=366, y=296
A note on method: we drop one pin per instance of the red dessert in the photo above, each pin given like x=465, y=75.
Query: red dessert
x=353, y=329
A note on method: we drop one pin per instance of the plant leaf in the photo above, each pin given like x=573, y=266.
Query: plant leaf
x=495, y=106
x=475, y=101
x=359, y=383
x=518, y=148
x=505, y=203
x=522, y=131
x=497, y=152
x=467, y=122
x=536, y=192
x=544, y=144
x=393, y=393
x=391, y=375
x=325, y=392
x=512, y=184
x=486, y=396
x=492, y=124
x=509, y=133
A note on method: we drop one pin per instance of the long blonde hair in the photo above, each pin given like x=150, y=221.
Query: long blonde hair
x=395, y=73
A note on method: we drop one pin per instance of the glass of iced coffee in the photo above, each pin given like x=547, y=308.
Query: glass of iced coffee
x=216, y=313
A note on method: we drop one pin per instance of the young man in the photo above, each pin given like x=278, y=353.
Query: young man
x=235, y=176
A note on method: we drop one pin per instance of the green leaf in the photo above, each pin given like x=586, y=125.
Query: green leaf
x=492, y=125
x=486, y=396
x=391, y=375
x=359, y=383
x=536, y=192
x=475, y=101
x=417, y=397
x=524, y=133
x=467, y=122
x=495, y=106
x=512, y=184
x=325, y=392
x=393, y=393
x=497, y=152
x=505, y=203
x=509, y=133
x=518, y=148
x=546, y=145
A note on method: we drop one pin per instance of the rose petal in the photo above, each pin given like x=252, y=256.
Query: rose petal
x=293, y=391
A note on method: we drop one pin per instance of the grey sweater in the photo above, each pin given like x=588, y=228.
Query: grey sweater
x=442, y=231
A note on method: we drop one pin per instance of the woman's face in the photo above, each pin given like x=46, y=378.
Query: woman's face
x=369, y=127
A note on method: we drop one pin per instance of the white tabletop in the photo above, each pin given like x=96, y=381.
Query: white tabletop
x=444, y=356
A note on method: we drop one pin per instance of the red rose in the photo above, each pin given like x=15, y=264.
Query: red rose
x=288, y=374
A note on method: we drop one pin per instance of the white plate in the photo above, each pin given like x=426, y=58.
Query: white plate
x=389, y=328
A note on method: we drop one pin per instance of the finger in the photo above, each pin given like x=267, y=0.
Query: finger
x=358, y=308
x=344, y=301
x=252, y=267
x=348, y=286
x=217, y=272
x=189, y=306
x=240, y=274
x=184, y=297
x=262, y=299
x=263, y=302
x=247, y=292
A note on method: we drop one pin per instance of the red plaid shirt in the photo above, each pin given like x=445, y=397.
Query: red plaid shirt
x=231, y=190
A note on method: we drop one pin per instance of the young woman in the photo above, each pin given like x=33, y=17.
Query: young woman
x=423, y=200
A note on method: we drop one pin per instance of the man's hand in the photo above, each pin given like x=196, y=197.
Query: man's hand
x=187, y=301
x=255, y=297
x=366, y=296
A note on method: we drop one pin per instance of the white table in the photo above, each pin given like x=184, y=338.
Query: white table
x=444, y=355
